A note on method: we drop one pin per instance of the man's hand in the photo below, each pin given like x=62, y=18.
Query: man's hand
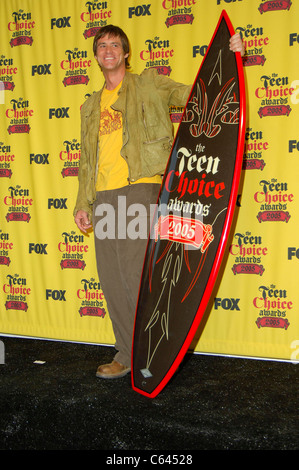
x=236, y=44
x=82, y=221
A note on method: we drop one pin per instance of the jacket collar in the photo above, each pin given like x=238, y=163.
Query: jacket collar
x=120, y=103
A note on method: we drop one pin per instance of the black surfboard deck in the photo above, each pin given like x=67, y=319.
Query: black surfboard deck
x=193, y=217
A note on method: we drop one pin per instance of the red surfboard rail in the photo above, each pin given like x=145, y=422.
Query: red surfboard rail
x=143, y=377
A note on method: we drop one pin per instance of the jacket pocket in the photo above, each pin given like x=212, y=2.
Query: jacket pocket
x=154, y=123
x=157, y=141
x=155, y=155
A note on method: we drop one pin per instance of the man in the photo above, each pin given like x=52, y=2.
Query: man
x=126, y=138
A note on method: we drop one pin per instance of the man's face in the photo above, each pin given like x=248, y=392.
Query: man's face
x=110, y=55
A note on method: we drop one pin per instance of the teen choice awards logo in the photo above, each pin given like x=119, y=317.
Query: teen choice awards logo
x=17, y=292
x=179, y=12
x=6, y=159
x=176, y=113
x=274, y=307
x=274, y=199
x=7, y=72
x=255, y=148
x=70, y=156
x=5, y=247
x=19, y=114
x=254, y=40
x=94, y=17
x=21, y=28
x=157, y=54
x=75, y=65
x=274, y=5
x=274, y=94
x=92, y=299
x=18, y=203
x=249, y=251
x=72, y=249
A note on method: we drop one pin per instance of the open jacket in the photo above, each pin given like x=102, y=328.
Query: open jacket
x=144, y=102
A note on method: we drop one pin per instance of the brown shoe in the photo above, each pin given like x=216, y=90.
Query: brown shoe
x=114, y=370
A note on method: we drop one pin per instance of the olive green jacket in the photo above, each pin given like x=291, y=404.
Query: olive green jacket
x=144, y=102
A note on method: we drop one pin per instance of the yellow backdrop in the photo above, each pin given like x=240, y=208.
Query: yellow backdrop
x=48, y=279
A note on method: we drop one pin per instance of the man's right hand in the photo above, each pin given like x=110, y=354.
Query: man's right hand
x=82, y=221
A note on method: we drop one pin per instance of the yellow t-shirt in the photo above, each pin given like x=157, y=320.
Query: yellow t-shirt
x=113, y=170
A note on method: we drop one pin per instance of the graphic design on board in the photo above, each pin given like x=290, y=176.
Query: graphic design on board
x=193, y=217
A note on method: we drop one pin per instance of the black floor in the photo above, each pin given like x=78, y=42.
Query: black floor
x=212, y=403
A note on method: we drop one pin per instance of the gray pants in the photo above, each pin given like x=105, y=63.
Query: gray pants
x=121, y=221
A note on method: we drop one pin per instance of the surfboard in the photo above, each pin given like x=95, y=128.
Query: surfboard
x=193, y=217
